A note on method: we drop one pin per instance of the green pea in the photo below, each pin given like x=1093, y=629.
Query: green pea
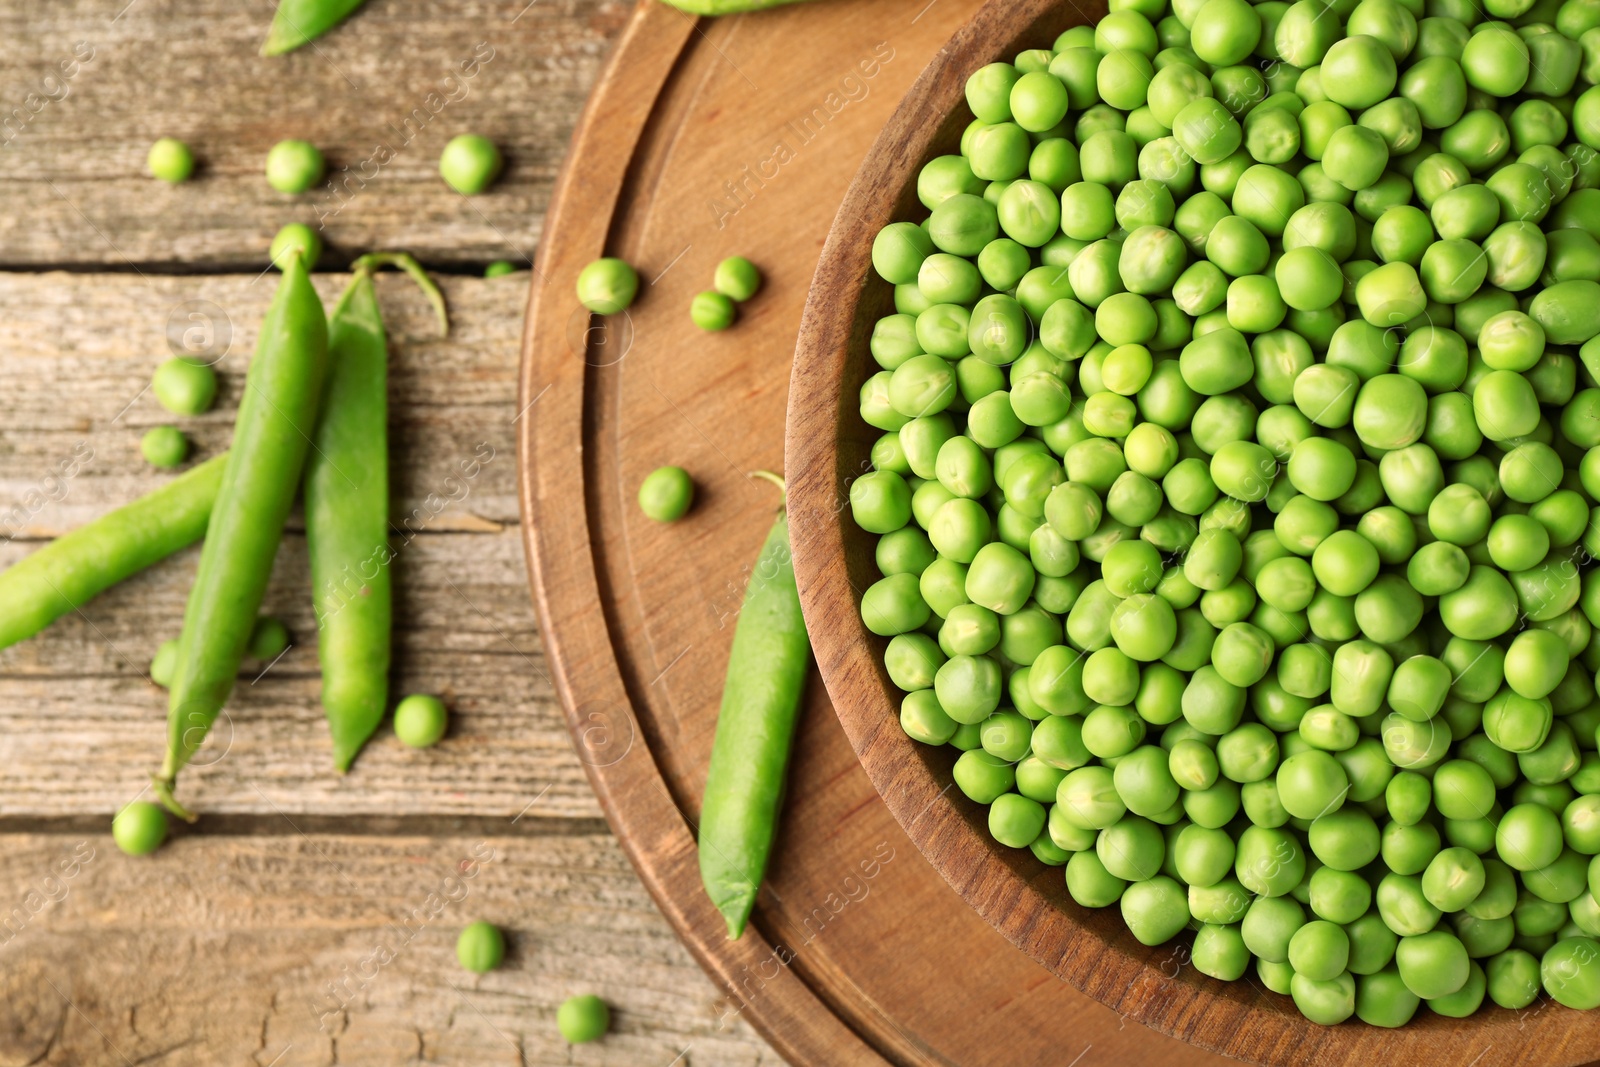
x=582, y=1019
x=470, y=163
x=608, y=285
x=481, y=947
x=294, y=166
x=420, y=721
x=139, y=828
x=170, y=160
x=164, y=446
x=185, y=386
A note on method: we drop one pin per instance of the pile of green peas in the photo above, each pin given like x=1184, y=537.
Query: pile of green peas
x=1236, y=493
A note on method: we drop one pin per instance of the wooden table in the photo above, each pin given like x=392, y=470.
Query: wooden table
x=308, y=918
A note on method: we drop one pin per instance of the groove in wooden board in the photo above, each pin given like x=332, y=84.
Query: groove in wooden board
x=827, y=445
x=83, y=348
x=232, y=949
x=79, y=162
x=656, y=651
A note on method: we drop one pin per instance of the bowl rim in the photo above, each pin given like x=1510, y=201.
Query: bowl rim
x=1026, y=901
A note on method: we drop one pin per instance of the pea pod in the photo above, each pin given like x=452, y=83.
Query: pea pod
x=347, y=510
x=299, y=22
x=755, y=729
x=277, y=416
x=76, y=567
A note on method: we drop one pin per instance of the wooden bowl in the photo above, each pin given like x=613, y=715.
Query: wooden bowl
x=827, y=446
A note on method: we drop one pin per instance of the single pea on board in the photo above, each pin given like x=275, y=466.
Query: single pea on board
x=294, y=166
x=1239, y=435
x=583, y=1018
x=481, y=947
x=164, y=446
x=420, y=721
x=185, y=386
x=666, y=494
x=170, y=160
x=607, y=286
x=470, y=163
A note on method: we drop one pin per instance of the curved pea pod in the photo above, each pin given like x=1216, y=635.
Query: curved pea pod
x=299, y=22
x=755, y=729
x=78, y=566
x=347, y=511
x=277, y=416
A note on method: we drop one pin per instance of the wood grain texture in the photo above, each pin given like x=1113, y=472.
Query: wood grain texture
x=292, y=950
x=89, y=84
x=858, y=953
x=828, y=445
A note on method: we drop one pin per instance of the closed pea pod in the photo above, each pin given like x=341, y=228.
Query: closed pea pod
x=347, y=510
x=78, y=566
x=755, y=728
x=277, y=416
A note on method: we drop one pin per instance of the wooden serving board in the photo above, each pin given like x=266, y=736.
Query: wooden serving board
x=707, y=138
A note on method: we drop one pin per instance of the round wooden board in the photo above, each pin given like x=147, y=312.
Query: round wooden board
x=707, y=138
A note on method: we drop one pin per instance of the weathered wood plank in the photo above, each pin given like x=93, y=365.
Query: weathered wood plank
x=81, y=728
x=291, y=950
x=79, y=351
x=89, y=84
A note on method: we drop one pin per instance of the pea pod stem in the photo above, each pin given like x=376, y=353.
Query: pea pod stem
x=299, y=22
x=78, y=566
x=347, y=510
x=755, y=731
x=372, y=261
x=272, y=434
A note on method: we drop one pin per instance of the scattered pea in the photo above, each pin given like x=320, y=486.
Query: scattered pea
x=470, y=163
x=170, y=160
x=164, y=446
x=607, y=286
x=184, y=386
x=481, y=947
x=666, y=494
x=420, y=721
x=500, y=268
x=294, y=166
x=269, y=639
x=712, y=310
x=583, y=1018
x=737, y=278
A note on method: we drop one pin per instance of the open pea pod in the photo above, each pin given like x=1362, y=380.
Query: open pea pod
x=347, y=510
x=299, y=22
